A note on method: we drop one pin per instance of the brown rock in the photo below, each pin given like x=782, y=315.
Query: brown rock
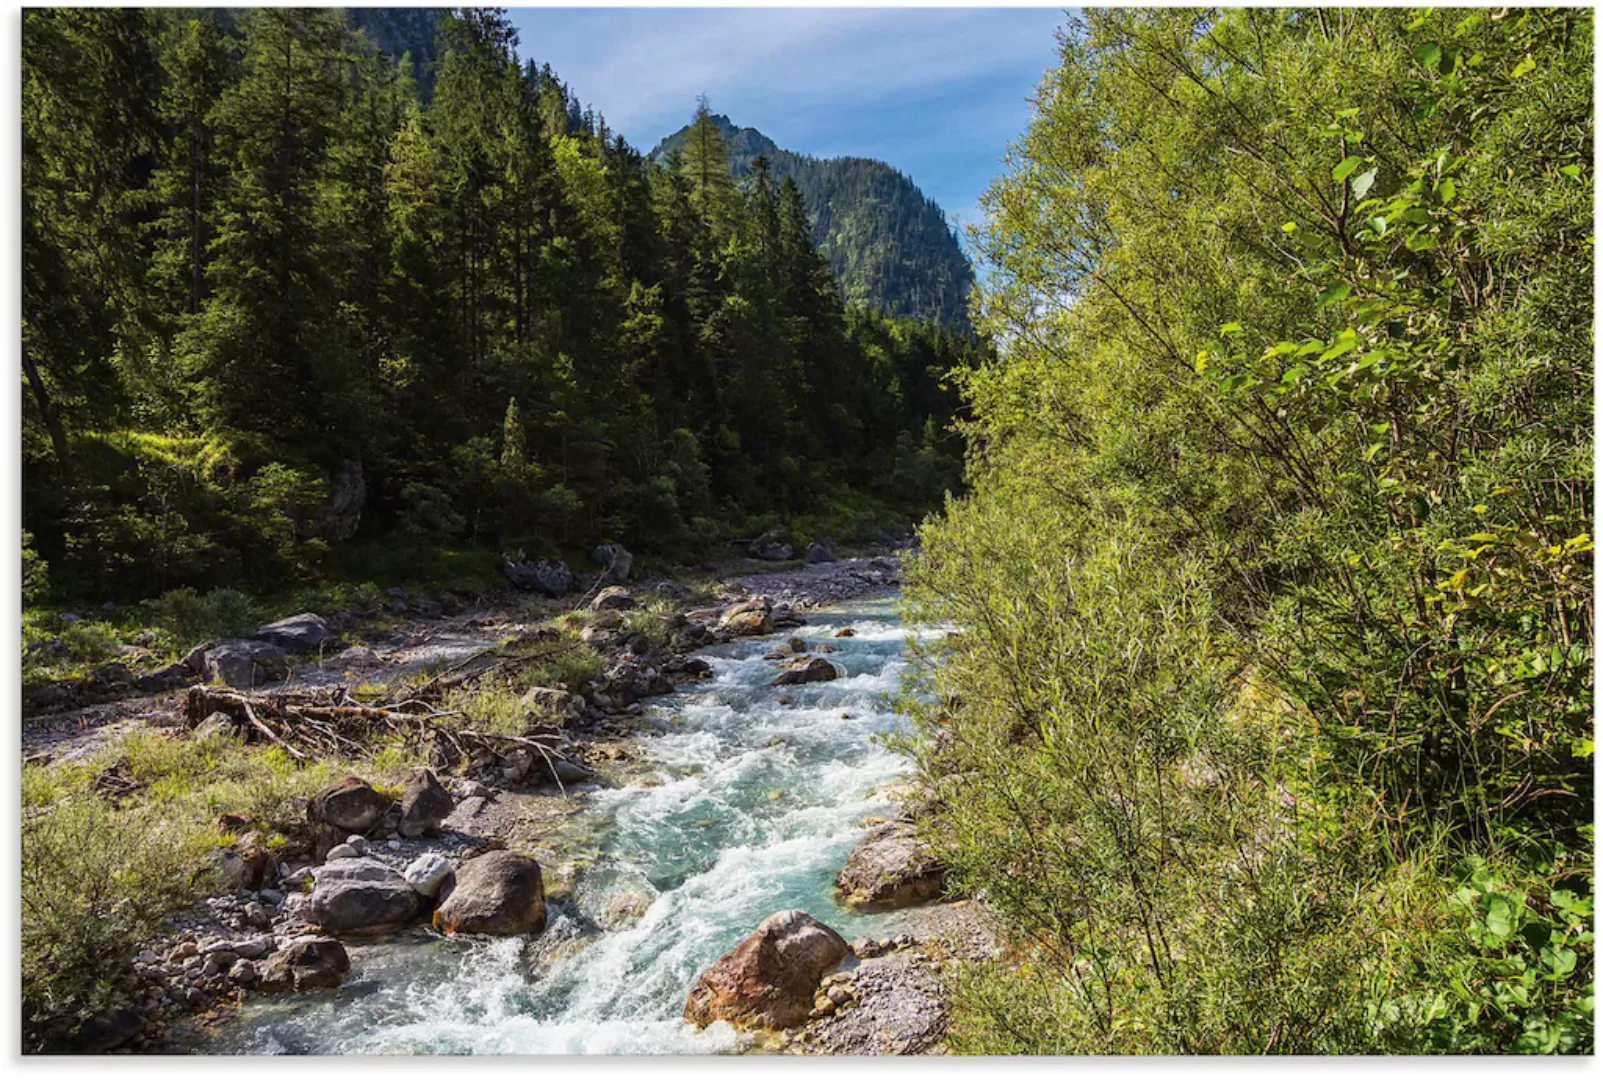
x=815, y=670
x=749, y=617
x=769, y=979
x=500, y=893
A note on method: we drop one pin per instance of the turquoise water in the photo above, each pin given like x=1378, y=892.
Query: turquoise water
x=750, y=808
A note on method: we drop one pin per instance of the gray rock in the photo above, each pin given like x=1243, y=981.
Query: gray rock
x=350, y=805
x=245, y=665
x=550, y=578
x=890, y=868
x=358, y=843
x=361, y=894
x=168, y=678
x=195, y=659
x=424, y=805
x=251, y=948
x=218, y=723
x=549, y=703
x=818, y=552
x=301, y=633
x=615, y=561
x=106, y=1032
x=342, y=851
x=306, y=963
x=243, y=971
x=427, y=873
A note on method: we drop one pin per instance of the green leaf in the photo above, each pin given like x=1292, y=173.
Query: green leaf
x=1571, y=171
x=1345, y=169
x=1339, y=291
x=1524, y=67
x=1499, y=917
x=1429, y=54
x=1446, y=190
x=1343, y=345
x=1362, y=183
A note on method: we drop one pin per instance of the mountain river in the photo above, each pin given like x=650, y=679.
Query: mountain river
x=750, y=800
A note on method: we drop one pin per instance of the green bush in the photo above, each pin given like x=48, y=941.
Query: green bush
x=192, y=618
x=1275, y=575
x=35, y=572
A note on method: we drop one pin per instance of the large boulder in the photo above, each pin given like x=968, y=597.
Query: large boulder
x=500, y=892
x=351, y=805
x=818, y=552
x=772, y=547
x=305, y=963
x=301, y=633
x=890, y=868
x=768, y=980
x=167, y=678
x=550, y=578
x=360, y=895
x=613, y=598
x=815, y=670
x=615, y=561
x=424, y=804
x=245, y=665
x=749, y=617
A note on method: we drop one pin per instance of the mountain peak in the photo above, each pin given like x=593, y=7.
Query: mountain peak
x=889, y=245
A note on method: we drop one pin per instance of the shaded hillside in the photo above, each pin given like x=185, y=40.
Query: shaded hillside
x=888, y=245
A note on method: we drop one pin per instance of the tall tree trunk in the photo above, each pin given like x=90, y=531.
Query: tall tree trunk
x=58, y=436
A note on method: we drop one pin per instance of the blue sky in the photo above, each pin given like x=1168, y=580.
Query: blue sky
x=938, y=93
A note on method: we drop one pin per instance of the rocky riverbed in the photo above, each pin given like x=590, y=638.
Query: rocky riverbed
x=635, y=751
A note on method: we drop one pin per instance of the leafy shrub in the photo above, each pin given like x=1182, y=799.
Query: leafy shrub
x=1274, y=576
x=193, y=618
x=35, y=572
x=92, y=887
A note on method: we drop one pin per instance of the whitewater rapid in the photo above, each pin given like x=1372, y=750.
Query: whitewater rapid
x=753, y=797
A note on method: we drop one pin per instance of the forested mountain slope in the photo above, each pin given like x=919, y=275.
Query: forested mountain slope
x=889, y=245
x=274, y=299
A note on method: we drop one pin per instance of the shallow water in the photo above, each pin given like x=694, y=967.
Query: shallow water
x=752, y=809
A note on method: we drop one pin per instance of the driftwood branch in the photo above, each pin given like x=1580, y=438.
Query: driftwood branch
x=308, y=722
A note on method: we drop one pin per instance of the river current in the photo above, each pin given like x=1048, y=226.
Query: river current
x=751, y=798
